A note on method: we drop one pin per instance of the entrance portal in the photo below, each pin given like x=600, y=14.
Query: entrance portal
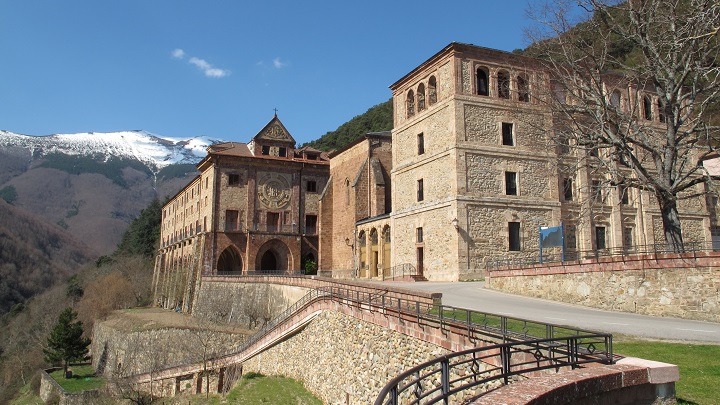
x=268, y=261
x=230, y=261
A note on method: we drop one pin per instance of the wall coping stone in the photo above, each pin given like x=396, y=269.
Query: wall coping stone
x=613, y=263
x=595, y=381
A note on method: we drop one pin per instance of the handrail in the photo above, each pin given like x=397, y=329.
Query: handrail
x=452, y=374
x=443, y=317
x=533, y=257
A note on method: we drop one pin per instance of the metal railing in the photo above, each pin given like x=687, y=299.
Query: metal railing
x=449, y=378
x=474, y=324
x=401, y=270
x=558, y=345
x=532, y=258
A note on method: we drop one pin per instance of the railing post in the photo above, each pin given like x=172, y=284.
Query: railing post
x=394, y=395
x=445, y=377
x=505, y=360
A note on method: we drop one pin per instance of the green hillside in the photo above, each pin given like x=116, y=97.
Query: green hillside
x=376, y=119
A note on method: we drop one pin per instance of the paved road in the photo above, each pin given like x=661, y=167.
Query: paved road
x=473, y=295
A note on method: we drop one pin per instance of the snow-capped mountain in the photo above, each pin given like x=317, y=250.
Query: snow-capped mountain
x=154, y=151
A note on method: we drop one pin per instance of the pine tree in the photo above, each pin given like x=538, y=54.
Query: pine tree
x=66, y=342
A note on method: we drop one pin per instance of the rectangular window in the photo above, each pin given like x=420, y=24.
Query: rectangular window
x=420, y=191
x=628, y=238
x=567, y=189
x=421, y=143
x=311, y=186
x=596, y=192
x=232, y=218
x=600, y=237
x=514, y=236
x=282, y=152
x=511, y=183
x=273, y=221
x=311, y=224
x=507, y=134
x=233, y=179
x=419, y=235
x=624, y=195
x=265, y=150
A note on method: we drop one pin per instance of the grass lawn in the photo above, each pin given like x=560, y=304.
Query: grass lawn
x=699, y=366
x=83, y=379
x=255, y=389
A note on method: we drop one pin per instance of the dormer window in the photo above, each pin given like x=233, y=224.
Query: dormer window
x=265, y=150
x=282, y=152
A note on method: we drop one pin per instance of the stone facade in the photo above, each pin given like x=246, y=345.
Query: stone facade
x=253, y=207
x=475, y=171
x=353, y=236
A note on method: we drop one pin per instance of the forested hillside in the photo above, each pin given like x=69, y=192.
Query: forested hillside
x=35, y=258
x=121, y=280
x=376, y=119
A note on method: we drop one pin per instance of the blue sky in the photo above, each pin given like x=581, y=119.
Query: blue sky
x=218, y=68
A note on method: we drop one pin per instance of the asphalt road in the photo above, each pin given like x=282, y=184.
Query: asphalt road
x=473, y=295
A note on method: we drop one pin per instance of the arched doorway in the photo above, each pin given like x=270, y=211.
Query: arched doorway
x=229, y=261
x=374, y=254
x=269, y=261
x=274, y=255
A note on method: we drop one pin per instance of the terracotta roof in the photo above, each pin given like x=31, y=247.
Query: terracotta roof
x=230, y=149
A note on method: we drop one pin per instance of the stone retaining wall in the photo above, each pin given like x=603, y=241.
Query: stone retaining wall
x=343, y=359
x=119, y=352
x=683, y=286
x=51, y=391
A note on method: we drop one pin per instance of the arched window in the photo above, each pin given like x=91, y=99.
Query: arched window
x=503, y=82
x=410, y=101
x=347, y=191
x=523, y=89
x=661, y=111
x=482, y=82
x=421, y=97
x=647, y=108
x=615, y=99
x=432, y=90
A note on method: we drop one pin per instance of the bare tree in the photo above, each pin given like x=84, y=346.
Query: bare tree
x=633, y=86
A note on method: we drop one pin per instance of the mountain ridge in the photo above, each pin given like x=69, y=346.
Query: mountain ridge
x=154, y=151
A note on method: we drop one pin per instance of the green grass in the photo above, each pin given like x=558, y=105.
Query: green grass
x=699, y=366
x=83, y=379
x=255, y=389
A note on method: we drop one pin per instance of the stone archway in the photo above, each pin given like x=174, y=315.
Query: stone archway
x=273, y=255
x=229, y=261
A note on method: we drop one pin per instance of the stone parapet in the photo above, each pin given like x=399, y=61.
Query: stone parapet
x=631, y=381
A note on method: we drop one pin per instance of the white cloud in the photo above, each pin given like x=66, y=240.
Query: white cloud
x=178, y=53
x=208, y=69
x=278, y=64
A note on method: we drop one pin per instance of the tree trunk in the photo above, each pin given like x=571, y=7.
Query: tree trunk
x=671, y=224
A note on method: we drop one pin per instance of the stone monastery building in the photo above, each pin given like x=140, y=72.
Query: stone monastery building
x=470, y=172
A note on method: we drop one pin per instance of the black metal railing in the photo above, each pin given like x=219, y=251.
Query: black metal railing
x=474, y=324
x=449, y=378
x=555, y=256
x=564, y=345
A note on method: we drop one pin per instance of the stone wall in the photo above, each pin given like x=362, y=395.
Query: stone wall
x=122, y=351
x=228, y=302
x=682, y=286
x=52, y=392
x=343, y=359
